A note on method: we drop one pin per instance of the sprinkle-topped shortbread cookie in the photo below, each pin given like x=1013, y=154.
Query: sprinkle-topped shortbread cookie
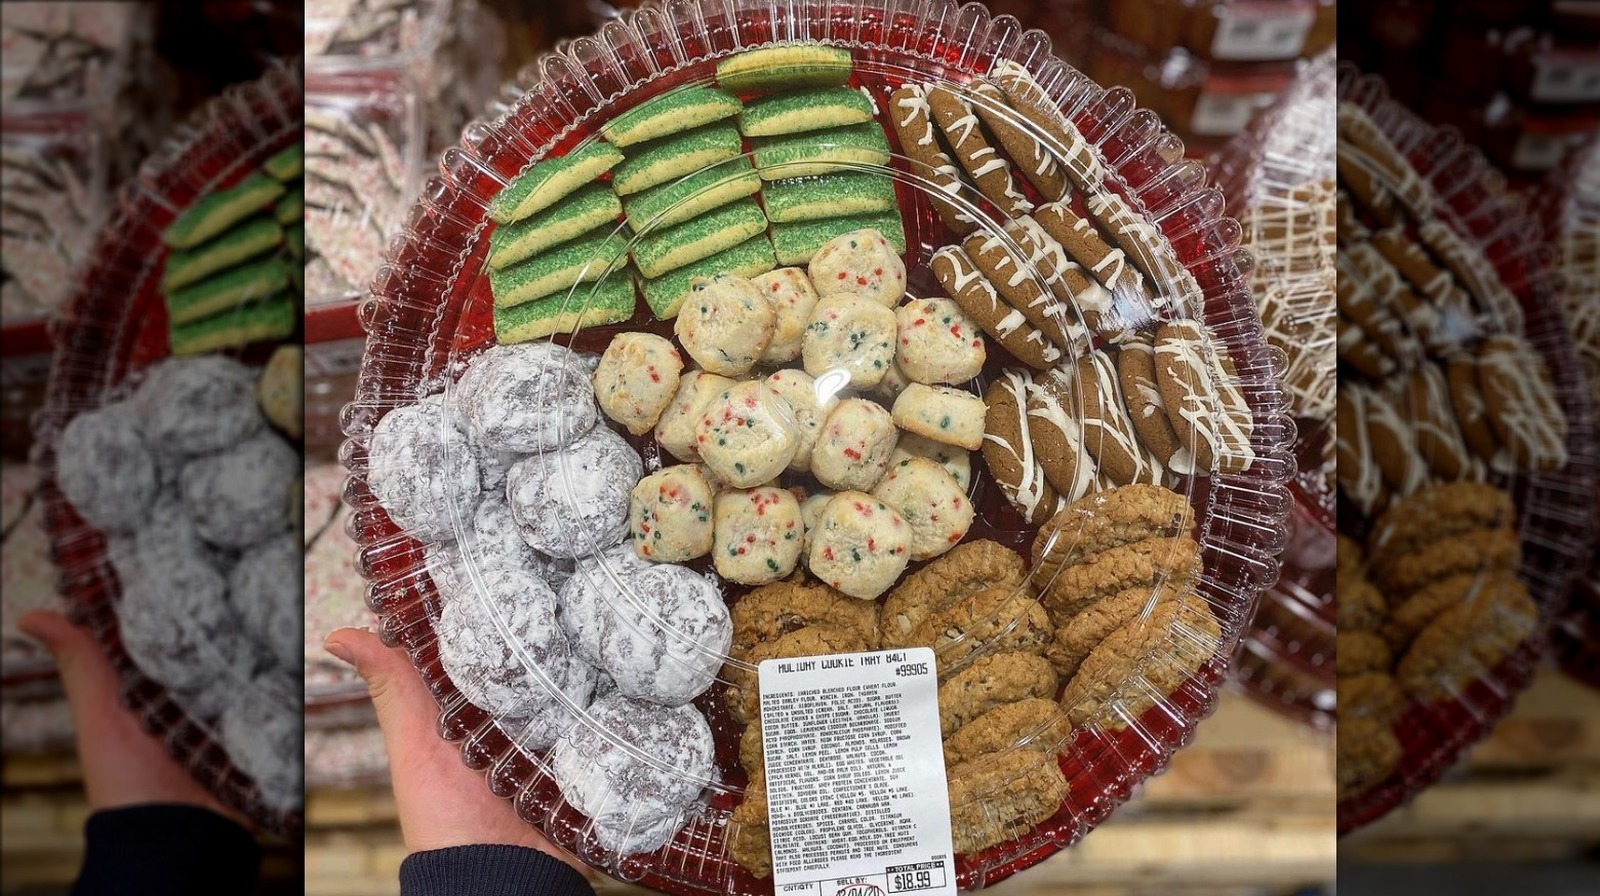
x=792, y=297
x=221, y=210
x=785, y=66
x=828, y=196
x=671, y=113
x=681, y=200
x=862, y=263
x=665, y=294
x=859, y=545
x=583, y=260
x=759, y=535
x=854, y=445
x=912, y=121
x=661, y=161
x=636, y=379
x=588, y=209
x=669, y=515
x=549, y=181
x=804, y=110
x=798, y=243
x=658, y=252
x=972, y=150
x=937, y=342
x=821, y=152
x=850, y=333
x=931, y=502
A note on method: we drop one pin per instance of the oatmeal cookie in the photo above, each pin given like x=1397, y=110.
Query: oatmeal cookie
x=1363, y=652
x=1152, y=655
x=1374, y=695
x=749, y=837
x=1033, y=724
x=992, y=681
x=1482, y=550
x=1140, y=564
x=1362, y=607
x=1001, y=797
x=1368, y=752
x=772, y=611
x=744, y=696
x=1467, y=641
x=965, y=570
x=1077, y=637
x=992, y=621
x=1107, y=520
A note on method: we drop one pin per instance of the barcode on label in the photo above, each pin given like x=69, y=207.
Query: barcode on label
x=1258, y=33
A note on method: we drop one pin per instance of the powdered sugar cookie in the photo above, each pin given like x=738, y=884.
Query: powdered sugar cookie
x=792, y=297
x=636, y=379
x=853, y=449
x=930, y=501
x=675, y=431
x=748, y=434
x=938, y=343
x=853, y=334
x=860, y=545
x=759, y=534
x=725, y=324
x=525, y=398
x=669, y=515
x=859, y=263
x=574, y=502
x=942, y=413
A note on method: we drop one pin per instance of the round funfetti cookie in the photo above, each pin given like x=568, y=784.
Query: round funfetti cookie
x=748, y=434
x=725, y=324
x=772, y=611
x=236, y=497
x=850, y=333
x=1521, y=403
x=528, y=397
x=665, y=636
x=105, y=470
x=636, y=379
x=961, y=280
x=810, y=512
x=811, y=403
x=930, y=501
x=759, y=534
x=675, y=431
x=1008, y=449
x=266, y=589
x=859, y=263
x=938, y=343
x=860, y=545
x=942, y=413
x=973, y=151
x=855, y=444
x=792, y=297
x=484, y=635
x=574, y=502
x=1108, y=431
x=1136, y=374
x=1190, y=388
x=197, y=405
x=669, y=515
x=956, y=461
x=637, y=804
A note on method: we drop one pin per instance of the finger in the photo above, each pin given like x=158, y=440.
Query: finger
x=85, y=674
x=402, y=701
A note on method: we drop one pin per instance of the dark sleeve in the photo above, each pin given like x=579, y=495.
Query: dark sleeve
x=172, y=849
x=489, y=870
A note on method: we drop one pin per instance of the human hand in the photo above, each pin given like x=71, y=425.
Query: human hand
x=440, y=801
x=122, y=764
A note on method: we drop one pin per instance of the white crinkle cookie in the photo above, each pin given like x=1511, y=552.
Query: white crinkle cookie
x=941, y=413
x=792, y=298
x=850, y=333
x=859, y=545
x=861, y=263
x=664, y=638
x=675, y=431
x=725, y=324
x=669, y=514
x=525, y=398
x=574, y=501
x=855, y=445
x=759, y=535
x=811, y=403
x=105, y=470
x=197, y=405
x=938, y=342
x=748, y=434
x=236, y=497
x=417, y=464
x=930, y=501
x=636, y=379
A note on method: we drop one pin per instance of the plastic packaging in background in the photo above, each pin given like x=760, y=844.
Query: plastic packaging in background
x=1555, y=508
x=53, y=172
x=25, y=571
x=115, y=326
x=363, y=156
x=430, y=312
x=350, y=31
x=72, y=52
x=346, y=757
x=37, y=724
x=335, y=592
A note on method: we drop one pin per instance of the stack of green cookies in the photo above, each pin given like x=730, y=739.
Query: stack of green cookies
x=232, y=276
x=811, y=135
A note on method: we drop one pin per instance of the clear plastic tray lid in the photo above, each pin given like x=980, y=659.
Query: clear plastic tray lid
x=1464, y=424
x=108, y=336
x=448, y=469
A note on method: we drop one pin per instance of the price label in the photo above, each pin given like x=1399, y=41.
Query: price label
x=1566, y=78
x=856, y=797
x=1258, y=32
x=1225, y=114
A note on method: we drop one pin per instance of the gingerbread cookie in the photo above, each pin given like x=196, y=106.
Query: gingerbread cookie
x=1361, y=140
x=1146, y=656
x=991, y=681
x=1064, y=141
x=1392, y=442
x=1105, y=262
x=912, y=121
x=1107, y=520
x=1008, y=448
x=1359, y=476
x=1364, y=307
x=1521, y=403
x=963, y=282
x=1030, y=156
x=771, y=611
x=1149, y=250
x=1054, y=415
x=1360, y=352
x=1426, y=401
x=1136, y=375
x=1108, y=431
x=1069, y=281
x=1023, y=288
x=1474, y=272
x=1140, y=564
x=972, y=150
x=1472, y=412
x=1192, y=383
x=967, y=569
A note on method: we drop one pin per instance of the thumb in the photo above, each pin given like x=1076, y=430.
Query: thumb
x=73, y=647
x=396, y=689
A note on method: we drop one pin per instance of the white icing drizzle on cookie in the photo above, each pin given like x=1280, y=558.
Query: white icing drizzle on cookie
x=1199, y=404
x=1031, y=483
x=1066, y=141
x=1406, y=473
x=1528, y=412
x=1358, y=475
x=1044, y=403
x=1475, y=273
x=1113, y=421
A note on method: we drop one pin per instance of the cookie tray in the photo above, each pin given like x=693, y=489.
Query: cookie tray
x=430, y=313
x=115, y=326
x=1555, y=510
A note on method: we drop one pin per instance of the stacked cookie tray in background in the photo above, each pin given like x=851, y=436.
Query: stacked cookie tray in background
x=1279, y=178
x=166, y=480
x=1466, y=450
x=586, y=543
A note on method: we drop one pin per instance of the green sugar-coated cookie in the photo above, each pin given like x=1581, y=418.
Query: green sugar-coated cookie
x=235, y=286
x=291, y=206
x=821, y=152
x=692, y=196
x=671, y=113
x=551, y=180
x=784, y=67
x=610, y=302
x=252, y=238
x=828, y=196
x=287, y=164
x=294, y=236
x=665, y=295
x=591, y=207
x=221, y=210
x=796, y=243
x=804, y=110
x=655, y=163
x=272, y=318
x=580, y=261
x=658, y=252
